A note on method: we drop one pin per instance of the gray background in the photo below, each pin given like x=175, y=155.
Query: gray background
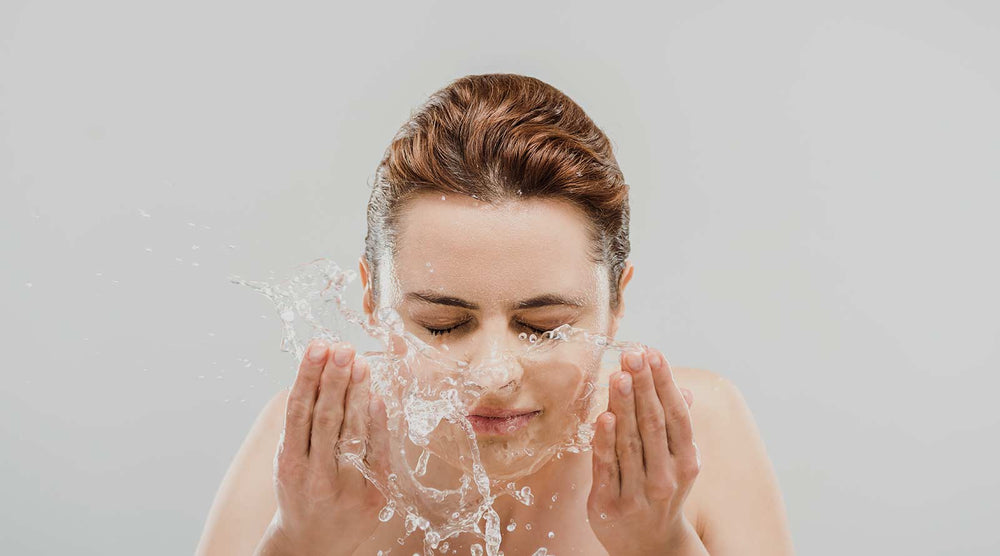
x=813, y=202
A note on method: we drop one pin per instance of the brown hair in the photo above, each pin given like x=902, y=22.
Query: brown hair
x=498, y=137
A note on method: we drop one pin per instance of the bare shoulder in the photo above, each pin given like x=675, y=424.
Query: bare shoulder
x=737, y=501
x=245, y=501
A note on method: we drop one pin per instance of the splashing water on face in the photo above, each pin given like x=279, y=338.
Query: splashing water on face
x=428, y=395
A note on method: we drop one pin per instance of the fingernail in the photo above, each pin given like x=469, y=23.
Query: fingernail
x=342, y=356
x=634, y=360
x=317, y=352
x=625, y=384
x=609, y=420
x=655, y=362
x=358, y=373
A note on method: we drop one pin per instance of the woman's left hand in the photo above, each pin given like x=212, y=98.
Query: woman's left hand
x=645, y=461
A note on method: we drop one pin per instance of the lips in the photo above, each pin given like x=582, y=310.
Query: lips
x=500, y=421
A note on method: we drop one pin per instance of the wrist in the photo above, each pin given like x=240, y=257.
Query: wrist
x=274, y=543
x=686, y=542
x=278, y=542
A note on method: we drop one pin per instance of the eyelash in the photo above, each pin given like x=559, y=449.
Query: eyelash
x=441, y=331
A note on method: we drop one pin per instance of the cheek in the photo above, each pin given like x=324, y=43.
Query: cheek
x=557, y=385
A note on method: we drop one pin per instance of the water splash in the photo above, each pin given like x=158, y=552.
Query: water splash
x=428, y=394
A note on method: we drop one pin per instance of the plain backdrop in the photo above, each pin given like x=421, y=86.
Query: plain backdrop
x=814, y=197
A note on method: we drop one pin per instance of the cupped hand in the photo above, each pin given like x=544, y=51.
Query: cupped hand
x=325, y=505
x=645, y=460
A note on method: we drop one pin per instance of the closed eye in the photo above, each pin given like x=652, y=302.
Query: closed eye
x=538, y=331
x=440, y=331
x=448, y=330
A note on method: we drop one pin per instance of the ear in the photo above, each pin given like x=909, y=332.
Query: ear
x=616, y=317
x=367, y=301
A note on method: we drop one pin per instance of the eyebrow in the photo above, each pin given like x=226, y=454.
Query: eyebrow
x=543, y=300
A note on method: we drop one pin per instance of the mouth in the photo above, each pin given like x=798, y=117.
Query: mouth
x=487, y=421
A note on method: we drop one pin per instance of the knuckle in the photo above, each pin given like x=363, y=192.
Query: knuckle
x=632, y=505
x=297, y=412
x=662, y=487
x=688, y=468
x=678, y=414
x=651, y=420
x=596, y=506
x=633, y=445
x=327, y=419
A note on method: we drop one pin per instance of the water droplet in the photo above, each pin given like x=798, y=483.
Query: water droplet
x=512, y=525
x=525, y=496
x=195, y=248
x=411, y=523
x=476, y=550
x=386, y=513
x=604, y=515
x=551, y=535
x=28, y=284
x=421, y=468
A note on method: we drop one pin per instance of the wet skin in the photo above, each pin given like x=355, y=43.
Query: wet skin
x=637, y=491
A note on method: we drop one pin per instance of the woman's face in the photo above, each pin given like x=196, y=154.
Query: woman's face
x=470, y=277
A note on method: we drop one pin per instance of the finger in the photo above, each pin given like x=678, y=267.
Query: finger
x=628, y=443
x=377, y=450
x=688, y=396
x=302, y=399
x=352, y=432
x=649, y=415
x=606, y=486
x=680, y=434
x=329, y=413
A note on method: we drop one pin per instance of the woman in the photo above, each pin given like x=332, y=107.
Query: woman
x=499, y=210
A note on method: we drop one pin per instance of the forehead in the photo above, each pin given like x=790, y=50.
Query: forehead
x=494, y=252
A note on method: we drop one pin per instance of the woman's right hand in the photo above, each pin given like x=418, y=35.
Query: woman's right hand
x=325, y=505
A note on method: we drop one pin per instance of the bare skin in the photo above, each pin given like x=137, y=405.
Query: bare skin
x=666, y=476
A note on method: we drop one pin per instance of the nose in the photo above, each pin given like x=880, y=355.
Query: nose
x=493, y=364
